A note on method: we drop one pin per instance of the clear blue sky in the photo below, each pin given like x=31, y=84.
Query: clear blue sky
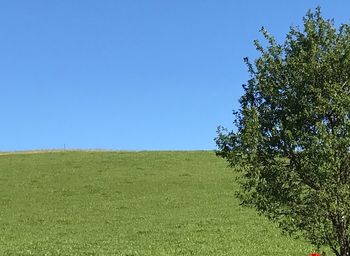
x=130, y=74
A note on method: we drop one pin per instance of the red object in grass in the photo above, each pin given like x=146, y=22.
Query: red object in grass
x=315, y=254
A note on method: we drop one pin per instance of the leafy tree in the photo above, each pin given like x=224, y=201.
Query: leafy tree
x=292, y=142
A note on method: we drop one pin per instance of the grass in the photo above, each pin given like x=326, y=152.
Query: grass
x=129, y=203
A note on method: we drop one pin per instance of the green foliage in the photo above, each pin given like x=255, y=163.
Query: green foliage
x=293, y=133
x=128, y=203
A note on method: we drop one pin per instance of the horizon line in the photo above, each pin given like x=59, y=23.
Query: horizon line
x=59, y=150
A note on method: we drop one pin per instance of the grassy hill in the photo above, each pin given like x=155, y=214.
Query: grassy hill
x=129, y=203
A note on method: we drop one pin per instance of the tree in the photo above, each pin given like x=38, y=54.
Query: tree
x=292, y=142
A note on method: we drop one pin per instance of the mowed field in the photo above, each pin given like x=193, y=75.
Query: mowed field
x=129, y=203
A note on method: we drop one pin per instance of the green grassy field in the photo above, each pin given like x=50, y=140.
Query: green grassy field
x=129, y=203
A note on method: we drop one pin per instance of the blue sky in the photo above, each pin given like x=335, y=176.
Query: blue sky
x=131, y=74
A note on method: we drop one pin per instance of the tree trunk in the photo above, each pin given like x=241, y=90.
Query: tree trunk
x=343, y=237
x=344, y=249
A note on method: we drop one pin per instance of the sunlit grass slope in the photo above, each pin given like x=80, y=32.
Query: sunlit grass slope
x=129, y=203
